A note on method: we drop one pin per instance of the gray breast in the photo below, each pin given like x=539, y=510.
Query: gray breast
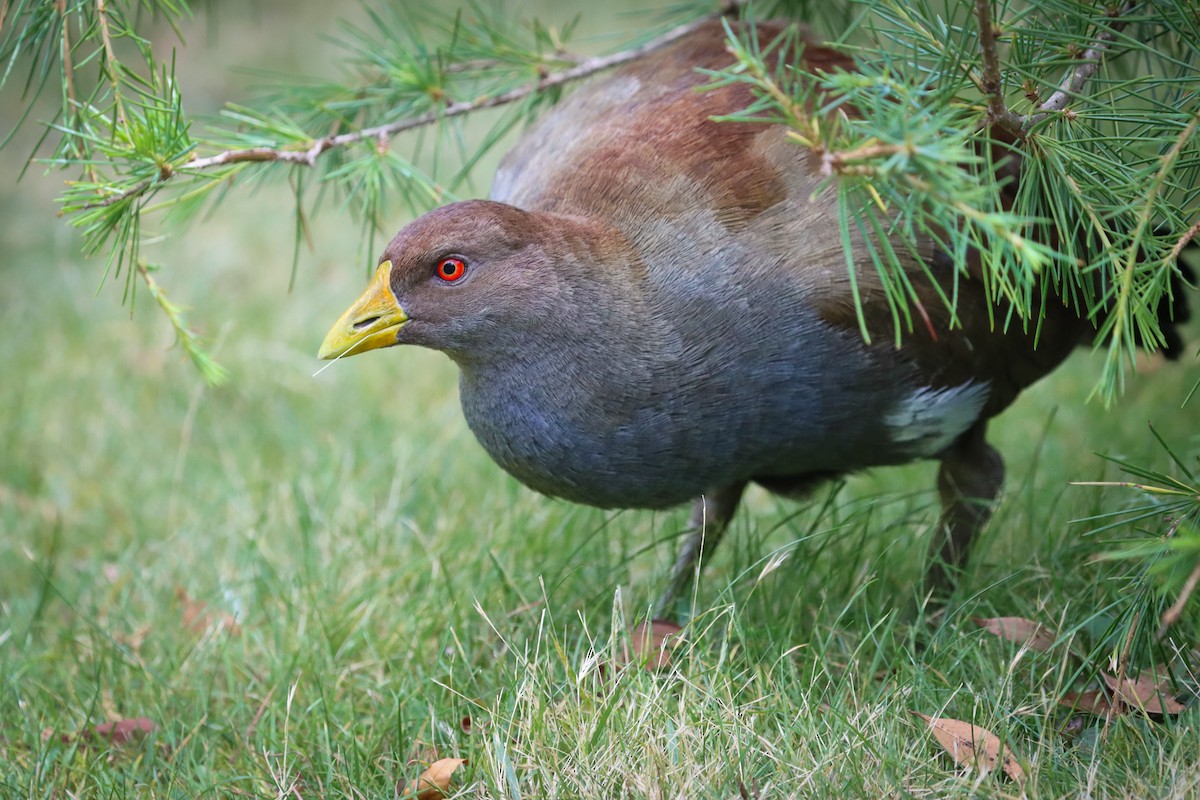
x=750, y=398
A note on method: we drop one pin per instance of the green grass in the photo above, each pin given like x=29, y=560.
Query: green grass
x=389, y=582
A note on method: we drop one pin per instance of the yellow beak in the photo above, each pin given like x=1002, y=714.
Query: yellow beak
x=371, y=323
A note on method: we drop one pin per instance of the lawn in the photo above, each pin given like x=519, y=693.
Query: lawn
x=315, y=586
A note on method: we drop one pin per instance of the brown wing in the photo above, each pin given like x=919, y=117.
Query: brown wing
x=641, y=151
x=976, y=342
x=648, y=132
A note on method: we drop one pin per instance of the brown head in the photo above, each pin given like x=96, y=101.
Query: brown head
x=471, y=279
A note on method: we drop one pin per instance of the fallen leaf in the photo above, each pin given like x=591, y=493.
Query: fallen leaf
x=198, y=619
x=1093, y=702
x=1149, y=692
x=652, y=643
x=434, y=782
x=971, y=745
x=1020, y=630
x=121, y=732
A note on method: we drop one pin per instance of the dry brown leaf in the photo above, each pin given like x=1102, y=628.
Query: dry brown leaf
x=118, y=733
x=971, y=745
x=197, y=619
x=652, y=645
x=434, y=782
x=1020, y=630
x=1150, y=692
x=1093, y=702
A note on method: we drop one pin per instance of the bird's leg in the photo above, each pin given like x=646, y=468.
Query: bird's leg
x=710, y=517
x=968, y=482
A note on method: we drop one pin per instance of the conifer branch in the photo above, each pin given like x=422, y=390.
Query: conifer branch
x=1184, y=240
x=991, y=84
x=909, y=152
x=1089, y=62
x=213, y=372
x=583, y=69
x=308, y=156
x=110, y=64
x=137, y=189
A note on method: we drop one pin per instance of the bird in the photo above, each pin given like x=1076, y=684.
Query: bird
x=653, y=307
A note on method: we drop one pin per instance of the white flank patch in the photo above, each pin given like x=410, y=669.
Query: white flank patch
x=930, y=419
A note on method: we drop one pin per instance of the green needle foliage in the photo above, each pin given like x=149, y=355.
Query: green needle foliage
x=123, y=130
x=1108, y=195
x=1098, y=101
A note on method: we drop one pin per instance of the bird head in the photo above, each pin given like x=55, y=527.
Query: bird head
x=467, y=279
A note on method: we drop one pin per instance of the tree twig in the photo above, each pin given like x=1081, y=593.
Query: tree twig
x=133, y=191
x=841, y=162
x=1172, y=614
x=998, y=111
x=1188, y=235
x=213, y=372
x=1089, y=62
x=309, y=156
x=111, y=65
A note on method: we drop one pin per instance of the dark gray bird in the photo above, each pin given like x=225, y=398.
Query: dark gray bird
x=654, y=308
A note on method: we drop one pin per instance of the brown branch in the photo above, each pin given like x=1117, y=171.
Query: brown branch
x=1188, y=235
x=132, y=191
x=309, y=157
x=481, y=64
x=110, y=59
x=1089, y=62
x=842, y=161
x=992, y=86
x=1172, y=614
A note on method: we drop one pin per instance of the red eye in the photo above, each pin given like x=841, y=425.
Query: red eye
x=451, y=269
